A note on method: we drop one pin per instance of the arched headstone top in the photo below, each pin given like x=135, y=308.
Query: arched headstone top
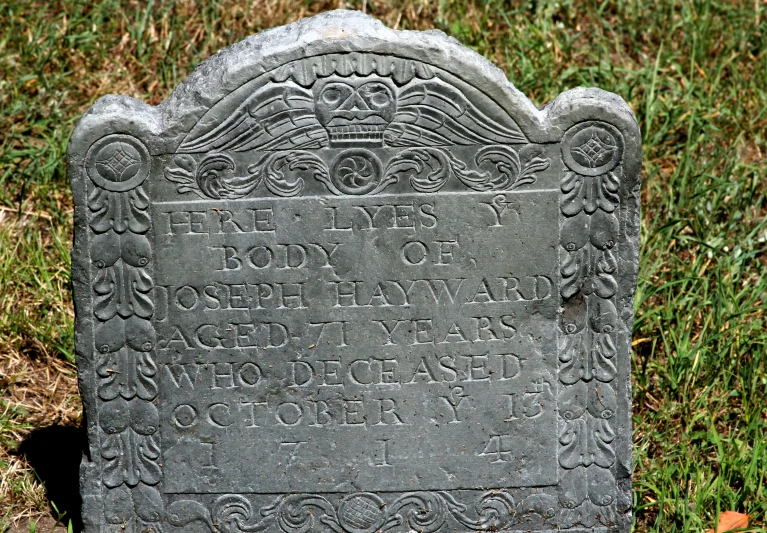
x=348, y=43
x=349, y=277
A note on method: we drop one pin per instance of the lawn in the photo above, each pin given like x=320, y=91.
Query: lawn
x=695, y=74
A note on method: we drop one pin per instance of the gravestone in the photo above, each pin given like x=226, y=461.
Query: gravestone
x=349, y=279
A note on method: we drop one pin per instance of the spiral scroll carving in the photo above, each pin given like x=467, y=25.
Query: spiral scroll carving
x=360, y=512
x=589, y=234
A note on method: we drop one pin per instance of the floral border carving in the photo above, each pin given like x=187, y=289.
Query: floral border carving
x=589, y=231
x=365, y=512
x=358, y=171
x=121, y=283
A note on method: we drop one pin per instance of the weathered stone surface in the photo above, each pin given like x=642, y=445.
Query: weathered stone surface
x=349, y=279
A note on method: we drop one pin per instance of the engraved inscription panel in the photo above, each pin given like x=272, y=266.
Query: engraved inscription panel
x=392, y=343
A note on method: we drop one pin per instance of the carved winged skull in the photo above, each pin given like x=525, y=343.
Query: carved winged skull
x=351, y=107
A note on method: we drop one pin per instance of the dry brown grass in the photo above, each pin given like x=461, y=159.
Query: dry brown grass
x=36, y=392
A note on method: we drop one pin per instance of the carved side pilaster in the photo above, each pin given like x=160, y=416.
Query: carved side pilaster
x=124, y=342
x=589, y=232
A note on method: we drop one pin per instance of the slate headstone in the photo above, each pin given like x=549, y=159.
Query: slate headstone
x=349, y=279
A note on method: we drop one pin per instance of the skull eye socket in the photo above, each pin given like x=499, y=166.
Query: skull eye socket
x=331, y=96
x=376, y=94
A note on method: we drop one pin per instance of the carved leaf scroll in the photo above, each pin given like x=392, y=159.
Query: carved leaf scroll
x=214, y=177
x=358, y=171
x=430, y=169
x=282, y=171
x=360, y=512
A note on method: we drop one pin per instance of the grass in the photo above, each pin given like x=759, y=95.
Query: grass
x=694, y=72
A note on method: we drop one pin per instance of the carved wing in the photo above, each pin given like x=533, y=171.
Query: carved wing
x=433, y=113
x=276, y=117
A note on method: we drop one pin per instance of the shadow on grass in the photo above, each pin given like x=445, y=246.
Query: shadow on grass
x=55, y=452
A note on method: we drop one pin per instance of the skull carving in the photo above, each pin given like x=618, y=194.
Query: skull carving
x=355, y=111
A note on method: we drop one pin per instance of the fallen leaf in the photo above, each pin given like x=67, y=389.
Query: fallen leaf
x=730, y=520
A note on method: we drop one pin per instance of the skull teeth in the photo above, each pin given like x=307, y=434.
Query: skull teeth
x=356, y=132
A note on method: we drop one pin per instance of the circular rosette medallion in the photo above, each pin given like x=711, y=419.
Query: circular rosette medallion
x=356, y=171
x=592, y=148
x=118, y=162
x=361, y=513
